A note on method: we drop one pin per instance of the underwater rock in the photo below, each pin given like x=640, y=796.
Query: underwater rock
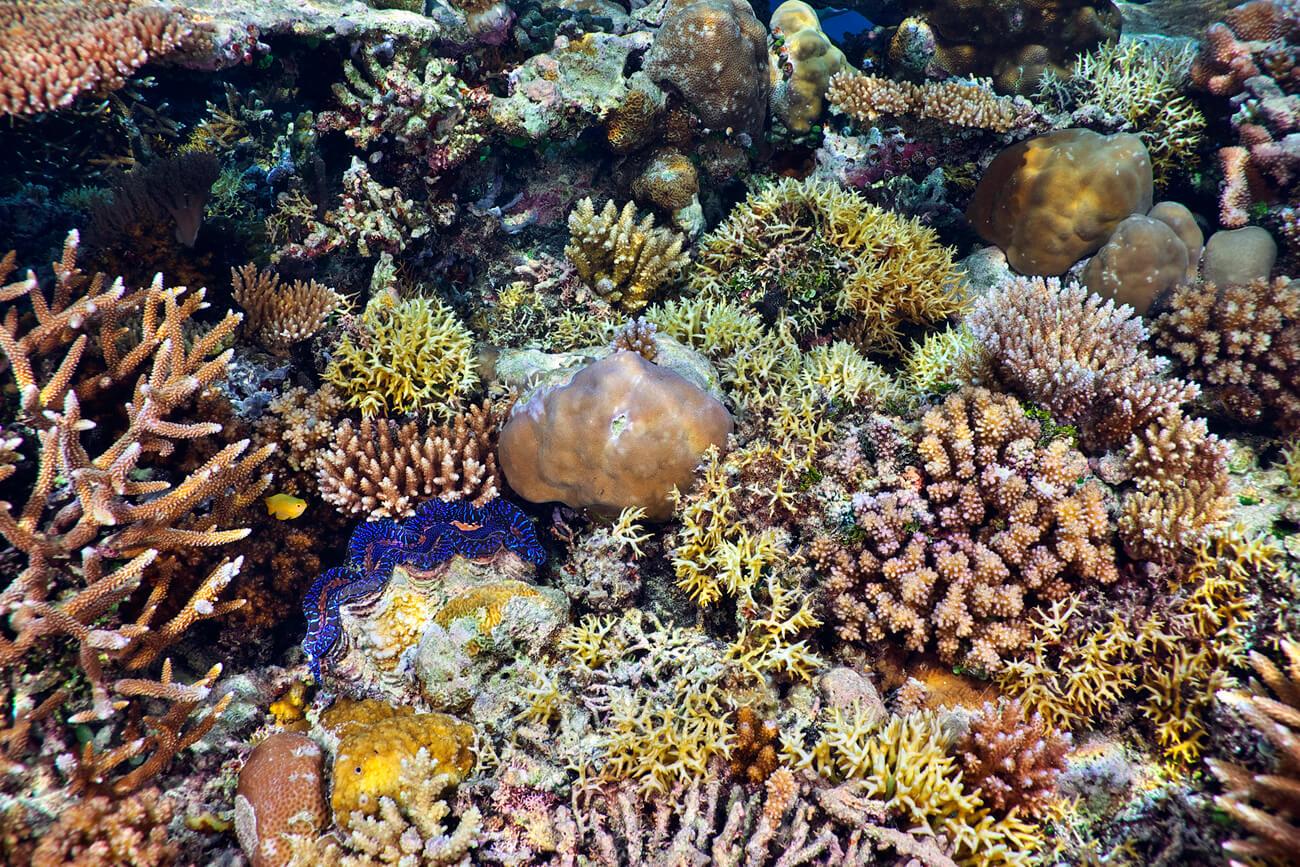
x=622, y=433
x=281, y=791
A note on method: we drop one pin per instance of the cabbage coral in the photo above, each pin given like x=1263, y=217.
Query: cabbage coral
x=405, y=356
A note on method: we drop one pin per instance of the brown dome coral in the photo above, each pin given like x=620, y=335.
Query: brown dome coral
x=1051, y=200
x=281, y=792
x=623, y=432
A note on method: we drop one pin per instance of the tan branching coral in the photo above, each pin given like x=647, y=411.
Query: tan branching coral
x=52, y=51
x=868, y=98
x=754, y=755
x=1079, y=357
x=997, y=525
x=109, y=832
x=1267, y=805
x=1242, y=343
x=385, y=469
x=1012, y=761
x=278, y=317
x=621, y=259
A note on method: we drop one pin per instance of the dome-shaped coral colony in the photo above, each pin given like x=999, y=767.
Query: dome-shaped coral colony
x=543, y=432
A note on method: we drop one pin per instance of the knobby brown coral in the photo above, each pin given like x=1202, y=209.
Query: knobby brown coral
x=108, y=832
x=1242, y=343
x=995, y=525
x=753, y=755
x=1267, y=805
x=51, y=51
x=386, y=469
x=1013, y=762
x=278, y=317
x=1079, y=357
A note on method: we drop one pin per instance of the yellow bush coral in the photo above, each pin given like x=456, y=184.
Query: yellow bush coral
x=405, y=356
x=824, y=253
x=625, y=261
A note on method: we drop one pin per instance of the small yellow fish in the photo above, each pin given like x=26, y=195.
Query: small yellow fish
x=284, y=507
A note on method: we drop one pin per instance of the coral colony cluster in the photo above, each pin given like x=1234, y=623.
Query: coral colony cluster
x=649, y=432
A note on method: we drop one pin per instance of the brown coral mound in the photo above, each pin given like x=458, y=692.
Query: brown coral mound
x=386, y=469
x=753, y=754
x=1013, y=762
x=1267, y=805
x=110, y=832
x=279, y=317
x=51, y=51
x=1079, y=357
x=996, y=525
x=1242, y=343
x=1051, y=200
x=281, y=791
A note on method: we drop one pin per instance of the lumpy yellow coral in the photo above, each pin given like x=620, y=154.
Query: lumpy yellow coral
x=405, y=356
x=375, y=738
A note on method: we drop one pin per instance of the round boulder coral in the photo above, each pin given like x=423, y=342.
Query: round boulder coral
x=280, y=793
x=1143, y=259
x=623, y=433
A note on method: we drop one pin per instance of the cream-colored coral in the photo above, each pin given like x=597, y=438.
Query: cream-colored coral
x=868, y=98
x=278, y=317
x=803, y=62
x=625, y=261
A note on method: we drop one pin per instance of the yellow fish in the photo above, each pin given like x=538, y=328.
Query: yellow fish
x=284, y=507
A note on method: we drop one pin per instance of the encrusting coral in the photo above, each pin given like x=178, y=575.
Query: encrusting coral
x=1077, y=356
x=404, y=356
x=385, y=469
x=280, y=317
x=621, y=259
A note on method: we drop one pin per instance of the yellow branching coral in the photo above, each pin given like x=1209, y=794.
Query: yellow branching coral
x=621, y=259
x=276, y=316
x=945, y=358
x=405, y=356
x=825, y=253
x=662, y=744
x=769, y=641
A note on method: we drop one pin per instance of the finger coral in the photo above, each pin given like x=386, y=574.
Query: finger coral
x=382, y=469
x=998, y=525
x=621, y=259
x=1013, y=762
x=1079, y=357
x=52, y=51
x=1242, y=343
x=280, y=317
x=404, y=356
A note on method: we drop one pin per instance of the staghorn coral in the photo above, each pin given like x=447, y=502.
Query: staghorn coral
x=280, y=317
x=52, y=51
x=821, y=253
x=622, y=260
x=82, y=562
x=1012, y=761
x=772, y=620
x=281, y=791
x=108, y=832
x=383, y=469
x=1079, y=357
x=1274, y=825
x=868, y=98
x=622, y=432
x=997, y=525
x=806, y=60
x=175, y=188
x=1049, y=201
x=404, y=356
x=1242, y=343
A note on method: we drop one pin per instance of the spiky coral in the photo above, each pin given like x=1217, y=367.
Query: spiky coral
x=1013, y=762
x=942, y=360
x=1242, y=343
x=405, y=356
x=998, y=524
x=820, y=253
x=621, y=259
x=1267, y=805
x=280, y=317
x=1078, y=356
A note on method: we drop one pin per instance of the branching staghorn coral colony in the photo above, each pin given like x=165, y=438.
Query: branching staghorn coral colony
x=649, y=432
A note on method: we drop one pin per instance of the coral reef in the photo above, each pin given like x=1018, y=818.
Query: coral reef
x=868, y=98
x=102, y=831
x=175, y=188
x=1013, y=762
x=623, y=260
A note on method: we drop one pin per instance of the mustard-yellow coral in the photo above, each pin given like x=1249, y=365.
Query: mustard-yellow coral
x=405, y=356
x=621, y=259
x=375, y=738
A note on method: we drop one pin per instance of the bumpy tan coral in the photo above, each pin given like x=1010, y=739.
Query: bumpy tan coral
x=1051, y=200
x=868, y=98
x=281, y=791
x=386, y=469
x=1078, y=356
x=1013, y=762
x=803, y=62
x=111, y=832
x=51, y=51
x=623, y=433
x=669, y=181
x=714, y=54
x=1243, y=344
x=279, y=317
x=623, y=260
x=998, y=525
x=1143, y=259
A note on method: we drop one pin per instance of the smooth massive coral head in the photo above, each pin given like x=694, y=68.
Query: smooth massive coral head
x=623, y=433
x=1142, y=259
x=281, y=792
x=714, y=53
x=1051, y=200
x=805, y=61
